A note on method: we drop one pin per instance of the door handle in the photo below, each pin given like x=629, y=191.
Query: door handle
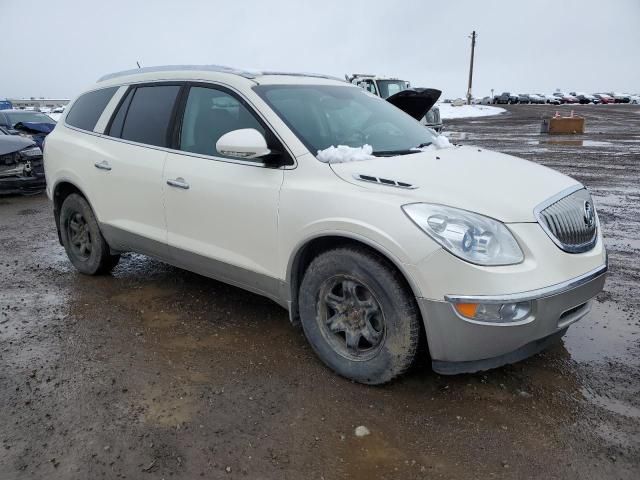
x=103, y=165
x=178, y=183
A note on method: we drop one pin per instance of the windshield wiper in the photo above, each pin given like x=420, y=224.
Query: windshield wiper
x=392, y=153
x=425, y=144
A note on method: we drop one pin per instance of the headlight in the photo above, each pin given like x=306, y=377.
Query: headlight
x=470, y=236
x=31, y=152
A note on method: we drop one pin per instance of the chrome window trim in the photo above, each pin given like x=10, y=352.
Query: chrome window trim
x=537, y=212
x=531, y=294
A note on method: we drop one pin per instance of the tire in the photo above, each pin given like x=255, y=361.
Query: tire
x=359, y=290
x=85, y=246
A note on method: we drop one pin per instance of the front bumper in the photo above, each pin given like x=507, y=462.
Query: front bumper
x=22, y=184
x=459, y=345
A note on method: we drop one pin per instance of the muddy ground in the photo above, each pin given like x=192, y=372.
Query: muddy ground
x=154, y=372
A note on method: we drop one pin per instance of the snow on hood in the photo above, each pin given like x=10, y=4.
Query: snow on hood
x=344, y=153
x=490, y=183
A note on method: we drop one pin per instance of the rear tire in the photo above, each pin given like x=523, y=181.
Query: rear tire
x=85, y=246
x=359, y=316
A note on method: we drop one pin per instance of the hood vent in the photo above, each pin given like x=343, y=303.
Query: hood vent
x=383, y=181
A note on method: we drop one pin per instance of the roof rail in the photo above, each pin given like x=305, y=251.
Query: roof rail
x=170, y=68
x=250, y=74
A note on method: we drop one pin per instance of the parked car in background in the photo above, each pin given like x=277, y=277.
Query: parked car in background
x=397, y=91
x=565, y=97
x=550, y=99
x=524, y=98
x=506, y=98
x=620, y=97
x=536, y=98
x=35, y=125
x=235, y=175
x=486, y=101
x=635, y=99
x=585, y=98
x=21, y=168
x=604, y=98
x=5, y=105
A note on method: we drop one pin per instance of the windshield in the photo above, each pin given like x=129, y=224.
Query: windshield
x=326, y=115
x=391, y=87
x=35, y=117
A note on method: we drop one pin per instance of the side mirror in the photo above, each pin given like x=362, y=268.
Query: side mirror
x=243, y=143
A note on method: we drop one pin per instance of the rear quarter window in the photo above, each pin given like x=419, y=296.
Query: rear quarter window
x=86, y=110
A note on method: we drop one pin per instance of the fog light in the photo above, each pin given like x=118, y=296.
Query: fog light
x=494, y=312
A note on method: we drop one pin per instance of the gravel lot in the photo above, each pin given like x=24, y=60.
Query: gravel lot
x=154, y=372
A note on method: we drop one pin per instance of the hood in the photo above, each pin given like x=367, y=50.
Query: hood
x=490, y=183
x=35, y=127
x=415, y=101
x=13, y=143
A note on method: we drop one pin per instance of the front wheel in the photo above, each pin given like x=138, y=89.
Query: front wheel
x=359, y=316
x=85, y=246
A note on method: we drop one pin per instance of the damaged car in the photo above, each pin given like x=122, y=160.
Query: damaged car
x=375, y=233
x=420, y=103
x=21, y=168
x=27, y=123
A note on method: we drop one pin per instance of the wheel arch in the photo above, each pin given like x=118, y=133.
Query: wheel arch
x=61, y=190
x=311, y=247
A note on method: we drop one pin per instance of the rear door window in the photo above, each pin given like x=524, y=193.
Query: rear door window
x=146, y=116
x=86, y=110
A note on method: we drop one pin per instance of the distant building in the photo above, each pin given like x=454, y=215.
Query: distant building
x=38, y=103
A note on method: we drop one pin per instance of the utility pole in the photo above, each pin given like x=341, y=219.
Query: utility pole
x=473, y=47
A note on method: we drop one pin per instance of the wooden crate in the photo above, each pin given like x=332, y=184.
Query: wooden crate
x=563, y=125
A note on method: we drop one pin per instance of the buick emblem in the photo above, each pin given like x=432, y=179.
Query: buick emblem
x=589, y=214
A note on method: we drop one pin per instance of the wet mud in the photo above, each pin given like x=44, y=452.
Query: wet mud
x=154, y=372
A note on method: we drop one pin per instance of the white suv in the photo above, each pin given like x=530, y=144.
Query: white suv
x=234, y=175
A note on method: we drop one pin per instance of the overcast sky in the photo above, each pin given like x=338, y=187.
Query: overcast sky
x=56, y=48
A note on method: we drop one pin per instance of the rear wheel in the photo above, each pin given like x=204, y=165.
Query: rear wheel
x=358, y=315
x=85, y=246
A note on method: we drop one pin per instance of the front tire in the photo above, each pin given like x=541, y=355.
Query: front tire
x=358, y=315
x=85, y=246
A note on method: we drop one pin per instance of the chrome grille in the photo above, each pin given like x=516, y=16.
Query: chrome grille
x=570, y=220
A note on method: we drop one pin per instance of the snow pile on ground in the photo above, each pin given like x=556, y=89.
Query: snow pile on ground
x=343, y=153
x=448, y=111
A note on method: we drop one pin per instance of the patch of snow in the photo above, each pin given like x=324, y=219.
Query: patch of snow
x=344, y=153
x=448, y=111
x=438, y=143
x=362, y=431
x=441, y=142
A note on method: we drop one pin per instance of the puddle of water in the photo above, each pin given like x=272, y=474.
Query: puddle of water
x=456, y=135
x=607, y=333
x=571, y=142
x=613, y=405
